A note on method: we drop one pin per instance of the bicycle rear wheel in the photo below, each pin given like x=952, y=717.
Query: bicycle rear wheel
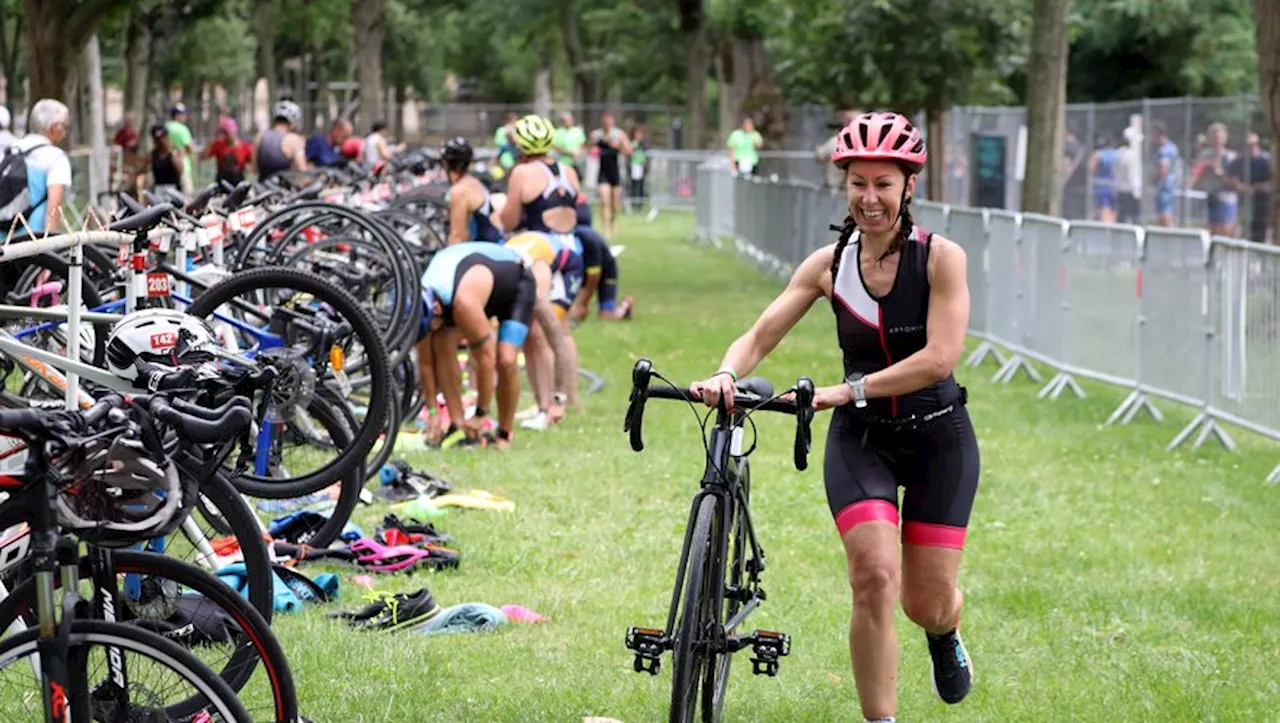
x=690, y=651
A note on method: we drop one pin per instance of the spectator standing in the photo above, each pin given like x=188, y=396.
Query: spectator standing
x=127, y=137
x=167, y=165
x=1102, y=164
x=1211, y=176
x=744, y=145
x=180, y=138
x=376, y=149
x=48, y=167
x=639, y=167
x=570, y=144
x=1164, y=172
x=231, y=154
x=1128, y=177
x=1250, y=174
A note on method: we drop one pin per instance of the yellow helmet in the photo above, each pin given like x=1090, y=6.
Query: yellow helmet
x=534, y=135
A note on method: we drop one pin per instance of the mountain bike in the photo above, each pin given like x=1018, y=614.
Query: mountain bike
x=721, y=560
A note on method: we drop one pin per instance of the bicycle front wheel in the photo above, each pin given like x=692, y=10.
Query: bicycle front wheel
x=696, y=616
x=158, y=670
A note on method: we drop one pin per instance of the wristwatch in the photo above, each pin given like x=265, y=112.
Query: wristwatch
x=858, y=384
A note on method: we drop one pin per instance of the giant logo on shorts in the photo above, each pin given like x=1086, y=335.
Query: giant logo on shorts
x=164, y=340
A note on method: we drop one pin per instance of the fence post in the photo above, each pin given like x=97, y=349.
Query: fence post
x=1205, y=421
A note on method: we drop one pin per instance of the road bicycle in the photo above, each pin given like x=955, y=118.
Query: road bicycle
x=721, y=561
x=64, y=655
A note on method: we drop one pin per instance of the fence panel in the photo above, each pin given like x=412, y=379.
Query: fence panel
x=930, y=216
x=1175, y=333
x=1245, y=308
x=968, y=227
x=1047, y=237
x=1008, y=311
x=671, y=178
x=1103, y=271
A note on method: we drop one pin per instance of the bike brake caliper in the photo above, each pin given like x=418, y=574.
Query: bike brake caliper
x=648, y=644
x=768, y=647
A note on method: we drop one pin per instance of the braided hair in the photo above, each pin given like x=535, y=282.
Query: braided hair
x=905, y=229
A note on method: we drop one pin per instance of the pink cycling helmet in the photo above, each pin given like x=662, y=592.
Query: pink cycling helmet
x=880, y=136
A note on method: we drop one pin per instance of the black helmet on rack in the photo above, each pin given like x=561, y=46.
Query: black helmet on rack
x=456, y=153
x=114, y=491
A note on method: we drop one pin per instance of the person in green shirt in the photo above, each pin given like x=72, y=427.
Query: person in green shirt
x=570, y=143
x=180, y=139
x=504, y=141
x=744, y=148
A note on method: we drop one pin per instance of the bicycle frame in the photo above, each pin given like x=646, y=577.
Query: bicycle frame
x=724, y=459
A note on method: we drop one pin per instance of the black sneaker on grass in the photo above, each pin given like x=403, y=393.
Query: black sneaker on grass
x=402, y=611
x=952, y=669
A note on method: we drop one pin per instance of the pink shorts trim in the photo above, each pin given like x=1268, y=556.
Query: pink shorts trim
x=930, y=535
x=865, y=511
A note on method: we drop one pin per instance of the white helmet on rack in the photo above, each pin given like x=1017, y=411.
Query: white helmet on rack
x=164, y=336
x=290, y=111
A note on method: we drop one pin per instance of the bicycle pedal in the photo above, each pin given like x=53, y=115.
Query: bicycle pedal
x=649, y=644
x=768, y=646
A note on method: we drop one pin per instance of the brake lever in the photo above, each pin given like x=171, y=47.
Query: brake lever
x=804, y=418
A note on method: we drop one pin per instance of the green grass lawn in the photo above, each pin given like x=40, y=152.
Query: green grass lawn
x=1105, y=579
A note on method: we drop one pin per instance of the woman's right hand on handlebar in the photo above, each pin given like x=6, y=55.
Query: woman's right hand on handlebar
x=714, y=388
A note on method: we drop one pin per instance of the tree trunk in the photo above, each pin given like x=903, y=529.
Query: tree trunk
x=265, y=19
x=138, y=61
x=401, y=98
x=1266, y=21
x=371, y=29
x=697, y=67
x=748, y=89
x=586, y=82
x=99, y=170
x=542, y=88
x=936, y=167
x=57, y=31
x=1046, y=108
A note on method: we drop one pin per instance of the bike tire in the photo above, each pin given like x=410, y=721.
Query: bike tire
x=259, y=645
x=208, y=685
x=716, y=677
x=688, y=654
x=362, y=326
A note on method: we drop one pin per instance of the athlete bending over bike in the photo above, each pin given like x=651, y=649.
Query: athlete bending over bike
x=901, y=302
x=463, y=287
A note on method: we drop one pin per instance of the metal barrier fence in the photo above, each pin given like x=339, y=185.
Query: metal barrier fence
x=1167, y=314
x=1128, y=136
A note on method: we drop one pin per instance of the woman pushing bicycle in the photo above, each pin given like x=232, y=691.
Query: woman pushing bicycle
x=901, y=302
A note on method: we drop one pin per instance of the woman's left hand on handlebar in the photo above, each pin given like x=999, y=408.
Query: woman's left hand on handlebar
x=824, y=398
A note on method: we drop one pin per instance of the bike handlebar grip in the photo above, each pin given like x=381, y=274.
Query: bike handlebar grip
x=640, y=374
x=804, y=416
x=203, y=431
x=21, y=419
x=210, y=414
x=94, y=414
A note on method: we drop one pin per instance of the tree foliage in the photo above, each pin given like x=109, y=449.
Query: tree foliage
x=909, y=54
x=1125, y=49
